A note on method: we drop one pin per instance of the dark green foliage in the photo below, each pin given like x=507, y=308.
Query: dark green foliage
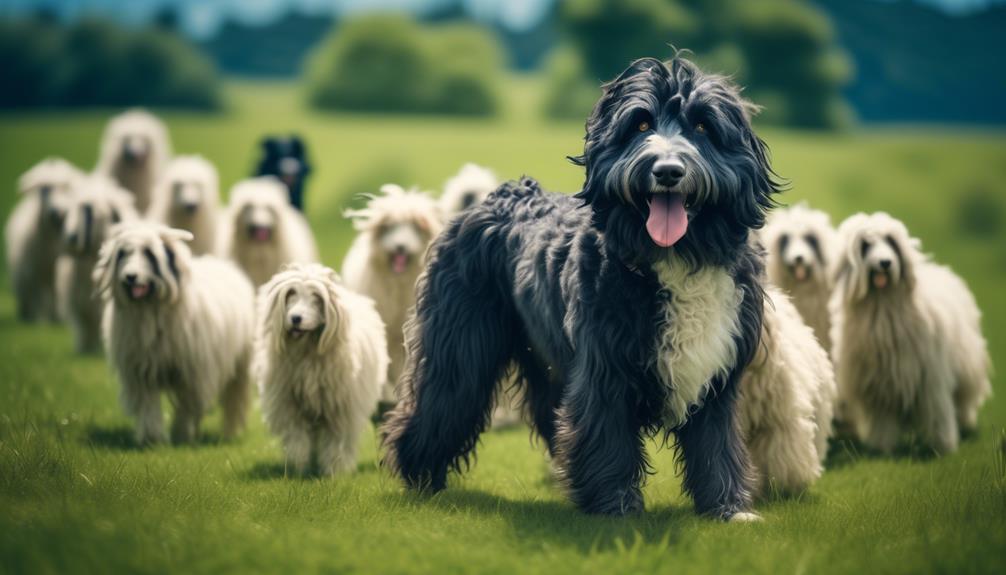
x=782, y=51
x=95, y=63
x=980, y=213
x=390, y=63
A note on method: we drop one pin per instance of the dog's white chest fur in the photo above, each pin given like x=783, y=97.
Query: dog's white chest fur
x=697, y=340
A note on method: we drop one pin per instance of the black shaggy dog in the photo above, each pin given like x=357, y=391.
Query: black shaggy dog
x=630, y=308
x=286, y=158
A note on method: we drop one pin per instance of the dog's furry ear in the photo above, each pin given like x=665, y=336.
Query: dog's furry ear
x=272, y=295
x=103, y=275
x=850, y=274
x=334, y=317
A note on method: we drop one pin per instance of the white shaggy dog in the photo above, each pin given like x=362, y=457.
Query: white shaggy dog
x=786, y=400
x=908, y=347
x=33, y=236
x=98, y=203
x=178, y=325
x=386, y=257
x=321, y=361
x=468, y=187
x=134, y=150
x=261, y=231
x=800, y=242
x=187, y=197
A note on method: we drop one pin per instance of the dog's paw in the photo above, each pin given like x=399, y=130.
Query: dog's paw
x=745, y=517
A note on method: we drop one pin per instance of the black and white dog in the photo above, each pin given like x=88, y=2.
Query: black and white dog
x=287, y=159
x=630, y=308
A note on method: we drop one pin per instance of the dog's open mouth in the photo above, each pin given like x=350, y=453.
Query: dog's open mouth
x=801, y=272
x=259, y=233
x=668, y=219
x=879, y=279
x=296, y=332
x=399, y=262
x=138, y=291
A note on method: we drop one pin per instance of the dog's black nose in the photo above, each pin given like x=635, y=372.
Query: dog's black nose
x=668, y=173
x=130, y=278
x=798, y=260
x=295, y=319
x=886, y=264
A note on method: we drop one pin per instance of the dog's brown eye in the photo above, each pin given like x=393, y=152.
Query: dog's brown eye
x=644, y=126
x=700, y=128
x=864, y=246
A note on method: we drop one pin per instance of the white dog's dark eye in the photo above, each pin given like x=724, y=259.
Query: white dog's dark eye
x=644, y=126
x=783, y=242
x=864, y=246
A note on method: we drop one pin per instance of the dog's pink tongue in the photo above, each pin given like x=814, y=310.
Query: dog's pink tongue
x=668, y=220
x=399, y=262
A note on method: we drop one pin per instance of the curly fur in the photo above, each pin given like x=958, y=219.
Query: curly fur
x=786, y=400
x=468, y=187
x=98, y=204
x=321, y=361
x=135, y=148
x=801, y=243
x=615, y=336
x=908, y=348
x=33, y=236
x=187, y=197
x=389, y=251
x=178, y=325
x=261, y=231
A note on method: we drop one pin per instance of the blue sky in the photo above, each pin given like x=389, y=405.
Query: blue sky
x=202, y=17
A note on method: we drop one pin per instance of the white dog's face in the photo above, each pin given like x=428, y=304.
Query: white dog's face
x=142, y=265
x=88, y=220
x=135, y=147
x=882, y=260
x=304, y=311
x=187, y=196
x=258, y=222
x=401, y=243
x=879, y=256
x=801, y=256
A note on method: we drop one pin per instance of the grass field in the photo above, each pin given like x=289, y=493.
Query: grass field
x=76, y=496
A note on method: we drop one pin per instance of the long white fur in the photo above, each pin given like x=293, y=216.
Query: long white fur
x=909, y=355
x=190, y=337
x=141, y=131
x=33, y=236
x=413, y=218
x=697, y=343
x=786, y=400
x=264, y=200
x=187, y=197
x=468, y=187
x=109, y=204
x=811, y=293
x=320, y=385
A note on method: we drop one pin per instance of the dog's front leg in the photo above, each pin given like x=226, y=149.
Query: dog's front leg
x=600, y=457
x=717, y=470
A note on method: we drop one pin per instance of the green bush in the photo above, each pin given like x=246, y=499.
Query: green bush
x=781, y=50
x=569, y=94
x=388, y=63
x=95, y=63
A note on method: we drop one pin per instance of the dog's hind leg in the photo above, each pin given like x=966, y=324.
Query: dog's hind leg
x=717, y=470
x=541, y=395
x=459, y=344
x=235, y=400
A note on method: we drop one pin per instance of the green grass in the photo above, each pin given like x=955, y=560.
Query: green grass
x=76, y=497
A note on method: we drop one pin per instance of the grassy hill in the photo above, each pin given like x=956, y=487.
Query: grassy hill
x=75, y=496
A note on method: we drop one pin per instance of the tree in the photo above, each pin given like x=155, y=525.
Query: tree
x=391, y=63
x=783, y=51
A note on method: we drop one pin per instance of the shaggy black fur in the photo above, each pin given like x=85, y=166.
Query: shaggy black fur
x=287, y=159
x=563, y=288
